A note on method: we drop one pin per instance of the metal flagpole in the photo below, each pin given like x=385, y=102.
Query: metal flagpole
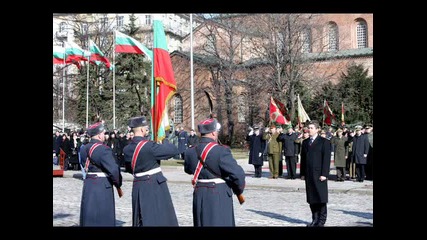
x=87, y=87
x=63, y=93
x=191, y=71
x=114, y=84
x=323, y=110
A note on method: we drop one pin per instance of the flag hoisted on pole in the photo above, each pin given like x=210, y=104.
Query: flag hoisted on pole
x=96, y=56
x=165, y=84
x=283, y=110
x=58, y=55
x=276, y=116
x=74, y=53
x=127, y=44
x=59, y=58
x=302, y=114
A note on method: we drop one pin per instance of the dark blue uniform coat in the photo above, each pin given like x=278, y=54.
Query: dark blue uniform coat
x=213, y=203
x=97, y=205
x=151, y=200
x=182, y=141
x=316, y=162
x=256, y=148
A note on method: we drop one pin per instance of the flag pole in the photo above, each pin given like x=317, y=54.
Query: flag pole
x=87, y=86
x=191, y=71
x=153, y=95
x=114, y=83
x=323, y=115
x=63, y=92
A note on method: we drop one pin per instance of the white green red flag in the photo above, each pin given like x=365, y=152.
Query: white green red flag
x=127, y=44
x=164, y=82
x=75, y=54
x=58, y=55
x=96, y=56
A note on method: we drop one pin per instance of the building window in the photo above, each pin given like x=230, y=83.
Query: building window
x=103, y=22
x=63, y=27
x=147, y=19
x=333, y=37
x=85, y=28
x=306, y=40
x=178, y=109
x=119, y=21
x=361, y=34
x=241, y=112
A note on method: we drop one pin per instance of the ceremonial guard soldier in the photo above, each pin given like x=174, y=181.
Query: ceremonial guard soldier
x=216, y=176
x=151, y=200
x=102, y=173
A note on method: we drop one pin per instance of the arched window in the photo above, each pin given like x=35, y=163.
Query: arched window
x=306, y=40
x=332, y=37
x=63, y=27
x=362, y=34
x=178, y=109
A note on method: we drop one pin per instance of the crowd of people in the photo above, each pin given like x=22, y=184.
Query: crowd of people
x=351, y=150
x=216, y=173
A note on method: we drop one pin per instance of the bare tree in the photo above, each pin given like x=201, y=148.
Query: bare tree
x=223, y=42
x=287, y=45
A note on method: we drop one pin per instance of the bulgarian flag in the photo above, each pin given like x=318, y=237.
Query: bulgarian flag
x=58, y=55
x=127, y=44
x=164, y=82
x=96, y=56
x=75, y=54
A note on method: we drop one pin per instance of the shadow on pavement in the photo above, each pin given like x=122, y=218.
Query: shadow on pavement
x=365, y=224
x=119, y=223
x=61, y=215
x=278, y=216
x=358, y=214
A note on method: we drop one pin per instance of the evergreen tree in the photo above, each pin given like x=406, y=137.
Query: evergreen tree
x=356, y=91
x=133, y=81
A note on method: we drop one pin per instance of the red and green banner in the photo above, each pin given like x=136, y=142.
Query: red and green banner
x=127, y=44
x=164, y=82
x=96, y=56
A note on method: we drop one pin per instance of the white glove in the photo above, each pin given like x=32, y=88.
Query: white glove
x=251, y=133
x=260, y=154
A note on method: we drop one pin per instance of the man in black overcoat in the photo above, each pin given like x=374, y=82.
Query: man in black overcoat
x=315, y=167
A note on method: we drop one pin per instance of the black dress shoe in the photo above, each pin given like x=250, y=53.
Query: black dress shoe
x=312, y=224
